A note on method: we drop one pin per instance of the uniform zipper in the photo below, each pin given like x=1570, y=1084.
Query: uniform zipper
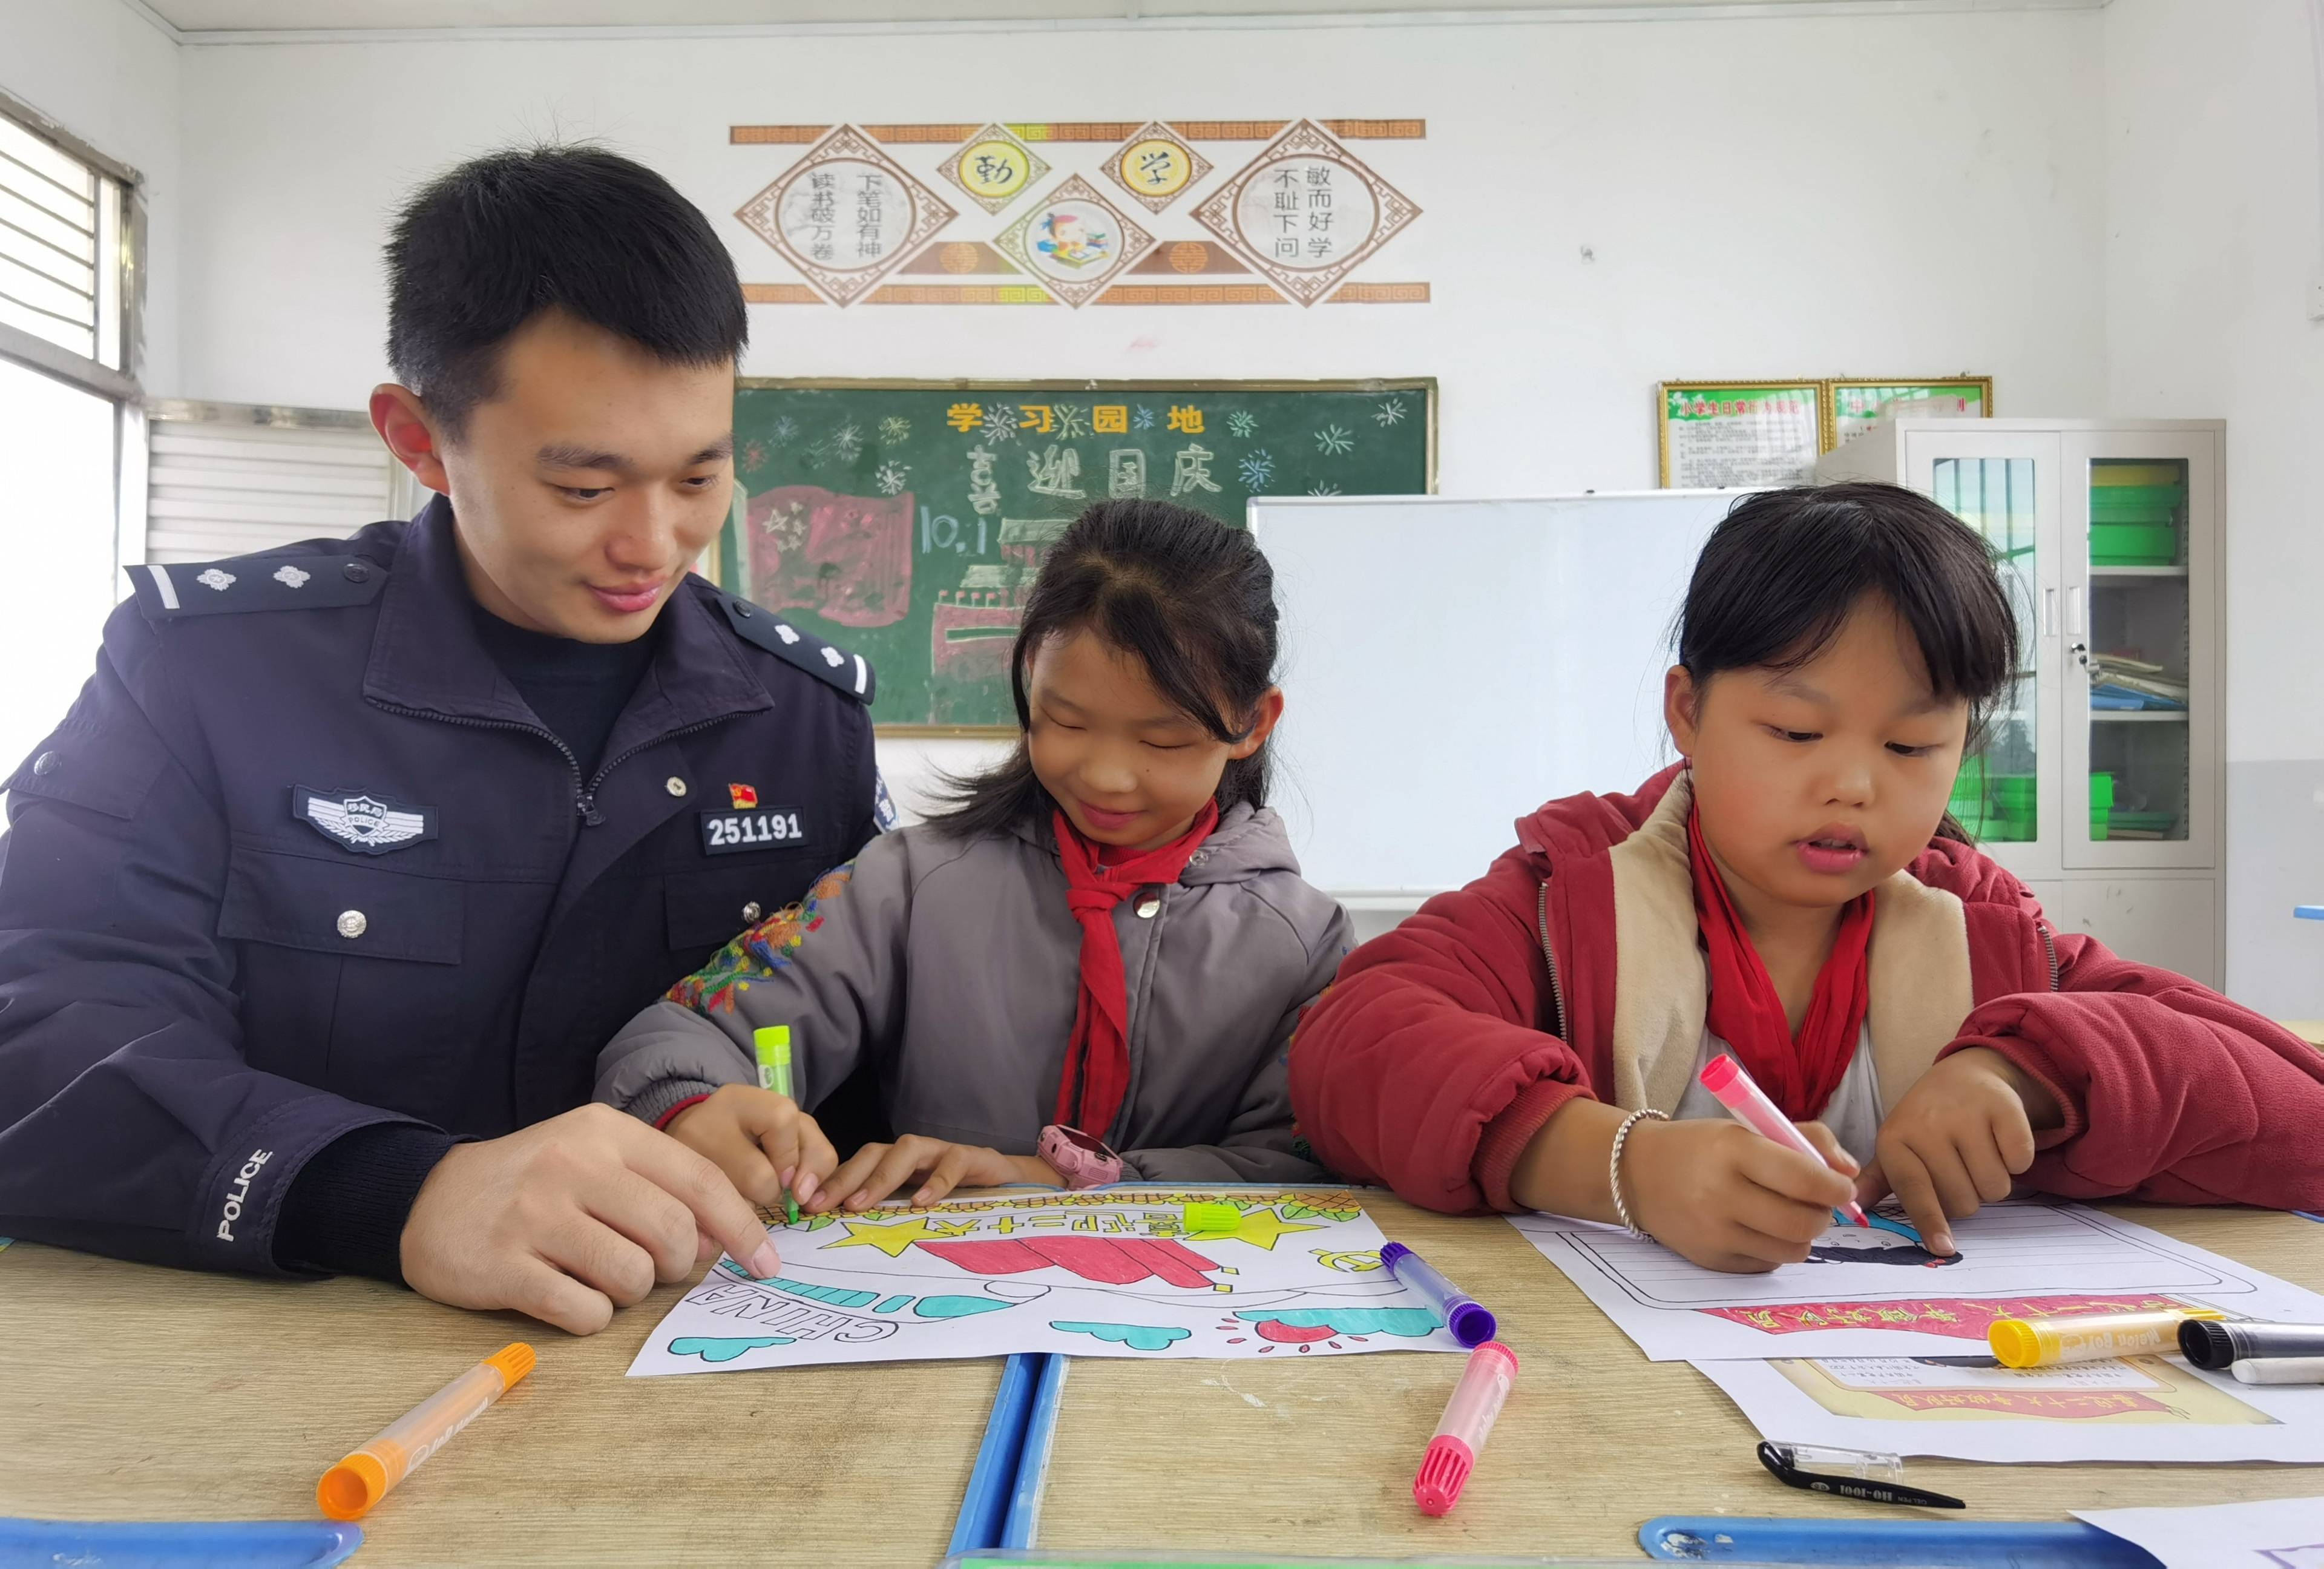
x=1557, y=993
x=585, y=793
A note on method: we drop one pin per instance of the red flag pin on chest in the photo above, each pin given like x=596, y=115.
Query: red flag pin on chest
x=744, y=796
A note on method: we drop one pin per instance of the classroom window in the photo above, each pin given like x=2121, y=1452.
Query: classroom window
x=233, y=479
x=72, y=425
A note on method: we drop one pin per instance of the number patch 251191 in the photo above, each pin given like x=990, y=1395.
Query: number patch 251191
x=726, y=832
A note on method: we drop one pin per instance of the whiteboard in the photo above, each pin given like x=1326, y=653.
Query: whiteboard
x=1450, y=665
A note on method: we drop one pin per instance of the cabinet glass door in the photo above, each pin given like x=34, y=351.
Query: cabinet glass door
x=2139, y=634
x=2005, y=487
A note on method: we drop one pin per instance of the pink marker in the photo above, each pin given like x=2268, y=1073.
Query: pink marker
x=1469, y=1416
x=1724, y=1077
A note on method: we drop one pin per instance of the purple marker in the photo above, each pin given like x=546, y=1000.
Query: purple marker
x=1470, y=1324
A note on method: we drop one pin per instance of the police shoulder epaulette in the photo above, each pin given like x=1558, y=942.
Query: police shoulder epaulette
x=851, y=673
x=165, y=593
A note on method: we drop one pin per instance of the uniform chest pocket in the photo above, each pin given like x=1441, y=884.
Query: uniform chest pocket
x=346, y=970
x=341, y=908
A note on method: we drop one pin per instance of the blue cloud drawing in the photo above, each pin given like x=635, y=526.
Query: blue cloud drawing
x=1136, y=1336
x=723, y=1348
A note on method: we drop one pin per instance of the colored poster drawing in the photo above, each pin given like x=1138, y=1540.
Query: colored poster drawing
x=1114, y=1273
x=2134, y=1410
x=1877, y=1293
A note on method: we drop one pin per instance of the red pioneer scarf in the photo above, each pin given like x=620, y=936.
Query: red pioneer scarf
x=1799, y=1074
x=1097, y=1056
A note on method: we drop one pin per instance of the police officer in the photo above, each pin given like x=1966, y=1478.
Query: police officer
x=316, y=909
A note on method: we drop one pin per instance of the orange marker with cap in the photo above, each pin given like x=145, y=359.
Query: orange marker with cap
x=349, y=1489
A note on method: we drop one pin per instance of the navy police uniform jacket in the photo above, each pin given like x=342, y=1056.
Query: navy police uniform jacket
x=300, y=860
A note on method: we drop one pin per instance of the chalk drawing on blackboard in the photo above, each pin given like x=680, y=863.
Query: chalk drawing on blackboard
x=1125, y=473
x=1256, y=470
x=1242, y=425
x=1054, y=472
x=1391, y=412
x=1191, y=471
x=1334, y=442
x=847, y=558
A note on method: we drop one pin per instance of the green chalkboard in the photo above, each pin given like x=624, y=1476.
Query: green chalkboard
x=904, y=520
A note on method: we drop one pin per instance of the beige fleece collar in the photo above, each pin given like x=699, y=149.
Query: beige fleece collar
x=1920, y=972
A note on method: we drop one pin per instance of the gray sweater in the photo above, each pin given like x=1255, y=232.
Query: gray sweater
x=952, y=967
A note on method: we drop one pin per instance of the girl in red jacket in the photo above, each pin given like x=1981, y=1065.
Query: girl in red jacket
x=1794, y=893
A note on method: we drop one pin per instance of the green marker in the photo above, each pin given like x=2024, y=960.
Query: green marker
x=774, y=1048
x=1214, y=1217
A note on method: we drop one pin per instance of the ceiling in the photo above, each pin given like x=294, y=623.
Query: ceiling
x=220, y=20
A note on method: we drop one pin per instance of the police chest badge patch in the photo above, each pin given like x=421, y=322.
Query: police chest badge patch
x=369, y=824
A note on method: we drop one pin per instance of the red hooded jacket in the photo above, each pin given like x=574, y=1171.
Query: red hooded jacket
x=1572, y=968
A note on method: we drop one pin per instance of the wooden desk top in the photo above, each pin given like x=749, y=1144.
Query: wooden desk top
x=1317, y=1456
x=2310, y=1030
x=138, y=1393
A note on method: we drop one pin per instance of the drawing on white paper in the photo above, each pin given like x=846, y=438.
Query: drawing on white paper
x=1862, y=1296
x=2265, y=1534
x=2137, y=1408
x=1091, y=1274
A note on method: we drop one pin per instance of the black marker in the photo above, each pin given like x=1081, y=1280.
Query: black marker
x=1871, y=1478
x=2215, y=1346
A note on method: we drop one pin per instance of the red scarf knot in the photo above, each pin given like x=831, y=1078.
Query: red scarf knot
x=1096, y=1075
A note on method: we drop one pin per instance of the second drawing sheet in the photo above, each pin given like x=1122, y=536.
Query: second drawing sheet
x=1876, y=1293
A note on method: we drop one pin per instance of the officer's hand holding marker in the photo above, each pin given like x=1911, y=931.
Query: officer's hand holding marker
x=573, y=1217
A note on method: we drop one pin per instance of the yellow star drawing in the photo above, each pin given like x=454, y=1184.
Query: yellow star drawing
x=1261, y=1227
x=893, y=1237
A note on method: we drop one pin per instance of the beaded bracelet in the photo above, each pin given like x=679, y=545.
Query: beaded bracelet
x=1614, y=1166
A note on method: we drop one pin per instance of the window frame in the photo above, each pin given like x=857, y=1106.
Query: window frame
x=120, y=385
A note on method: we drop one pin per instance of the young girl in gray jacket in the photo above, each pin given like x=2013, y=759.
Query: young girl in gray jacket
x=1101, y=944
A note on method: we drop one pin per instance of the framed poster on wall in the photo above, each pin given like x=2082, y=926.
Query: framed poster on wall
x=1852, y=405
x=1717, y=434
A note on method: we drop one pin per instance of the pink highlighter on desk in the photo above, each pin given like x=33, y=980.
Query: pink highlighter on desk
x=1724, y=1077
x=1469, y=1416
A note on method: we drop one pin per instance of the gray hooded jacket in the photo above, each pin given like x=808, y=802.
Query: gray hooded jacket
x=954, y=964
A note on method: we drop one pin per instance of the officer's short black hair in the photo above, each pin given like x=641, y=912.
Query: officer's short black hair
x=480, y=251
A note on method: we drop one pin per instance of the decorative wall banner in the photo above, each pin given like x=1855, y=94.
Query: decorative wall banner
x=1291, y=225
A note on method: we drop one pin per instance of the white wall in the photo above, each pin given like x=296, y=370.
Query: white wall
x=111, y=78
x=1883, y=195
x=2212, y=243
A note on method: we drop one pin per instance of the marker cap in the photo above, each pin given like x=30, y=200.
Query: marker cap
x=349, y=1489
x=2017, y=1343
x=1213, y=1217
x=512, y=1361
x=1443, y=1472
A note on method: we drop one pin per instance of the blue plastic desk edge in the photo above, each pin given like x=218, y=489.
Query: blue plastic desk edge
x=1033, y=1459
x=1732, y=1539
x=984, y=1503
x=322, y=1542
